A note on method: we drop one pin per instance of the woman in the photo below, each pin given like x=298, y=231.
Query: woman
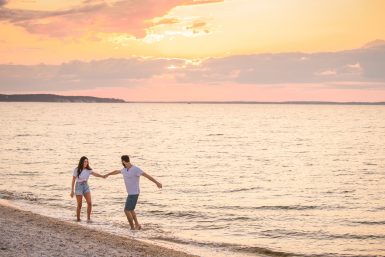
x=81, y=175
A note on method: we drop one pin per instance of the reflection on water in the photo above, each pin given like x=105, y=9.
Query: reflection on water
x=246, y=179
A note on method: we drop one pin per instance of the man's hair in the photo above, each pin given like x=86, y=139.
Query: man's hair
x=125, y=158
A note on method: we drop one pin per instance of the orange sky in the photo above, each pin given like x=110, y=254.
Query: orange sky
x=62, y=34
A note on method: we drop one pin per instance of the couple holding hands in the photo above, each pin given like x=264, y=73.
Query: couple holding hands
x=131, y=175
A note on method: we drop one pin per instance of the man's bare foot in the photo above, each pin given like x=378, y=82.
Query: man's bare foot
x=138, y=227
x=89, y=221
x=78, y=220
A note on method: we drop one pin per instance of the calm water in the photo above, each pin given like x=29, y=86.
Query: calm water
x=259, y=180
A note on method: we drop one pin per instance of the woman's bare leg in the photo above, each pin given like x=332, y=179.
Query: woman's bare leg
x=89, y=205
x=79, y=199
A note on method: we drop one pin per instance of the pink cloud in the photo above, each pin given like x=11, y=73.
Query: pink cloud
x=129, y=17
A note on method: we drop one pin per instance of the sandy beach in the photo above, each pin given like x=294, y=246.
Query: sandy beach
x=23, y=233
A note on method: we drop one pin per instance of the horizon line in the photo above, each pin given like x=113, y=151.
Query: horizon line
x=318, y=102
x=263, y=102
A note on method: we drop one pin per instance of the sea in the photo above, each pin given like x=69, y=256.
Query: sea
x=238, y=179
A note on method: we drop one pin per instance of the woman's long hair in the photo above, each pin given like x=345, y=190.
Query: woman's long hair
x=81, y=163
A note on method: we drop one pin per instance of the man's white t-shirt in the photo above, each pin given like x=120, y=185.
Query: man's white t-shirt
x=131, y=179
x=84, y=175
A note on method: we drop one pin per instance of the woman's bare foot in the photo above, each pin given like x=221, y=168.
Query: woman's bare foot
x=138, y=227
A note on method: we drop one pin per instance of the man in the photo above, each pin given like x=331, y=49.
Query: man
x=131, y=175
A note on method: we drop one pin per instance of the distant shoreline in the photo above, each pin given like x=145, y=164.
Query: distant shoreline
x=52, y=98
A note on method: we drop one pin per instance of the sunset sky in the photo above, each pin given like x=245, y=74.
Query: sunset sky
x=202, y=50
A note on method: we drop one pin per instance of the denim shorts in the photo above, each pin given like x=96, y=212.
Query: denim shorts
x=81, y=188
x=131, y=202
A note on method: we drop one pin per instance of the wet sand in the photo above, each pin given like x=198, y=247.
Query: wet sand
x=24, y=233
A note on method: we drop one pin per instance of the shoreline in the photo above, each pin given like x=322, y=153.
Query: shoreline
x=24, y=233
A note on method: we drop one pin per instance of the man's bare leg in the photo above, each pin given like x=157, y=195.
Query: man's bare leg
x=137, y=225
x=129, y=218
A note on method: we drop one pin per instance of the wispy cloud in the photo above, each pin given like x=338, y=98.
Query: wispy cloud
x=82, y=75
x=129, y=17
x=198, y=26
x=365, y=64
x=194, y=2
x=166, y=21
x=362, y=68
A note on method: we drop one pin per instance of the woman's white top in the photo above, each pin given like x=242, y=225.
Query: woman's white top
x=84, y=175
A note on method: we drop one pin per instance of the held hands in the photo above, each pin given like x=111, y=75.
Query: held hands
x=159, y=185
x=105, y=176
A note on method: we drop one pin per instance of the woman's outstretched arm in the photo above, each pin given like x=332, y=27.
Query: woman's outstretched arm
x=98, y=175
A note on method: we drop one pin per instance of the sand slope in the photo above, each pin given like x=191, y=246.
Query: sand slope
x=24, y=233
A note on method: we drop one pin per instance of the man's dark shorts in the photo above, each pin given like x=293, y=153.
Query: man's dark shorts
x=131, y=202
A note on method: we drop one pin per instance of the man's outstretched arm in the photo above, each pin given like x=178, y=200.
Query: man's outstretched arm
x=115, y=172
x=158, y=184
